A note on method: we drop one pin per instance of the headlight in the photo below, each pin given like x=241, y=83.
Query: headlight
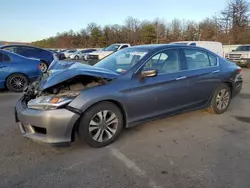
x=48, y=102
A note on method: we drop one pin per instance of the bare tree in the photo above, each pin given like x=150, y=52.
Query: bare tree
x=160, y=30
x=132, y=27
x=234, y=19
x=208, y=30
x=191, y=32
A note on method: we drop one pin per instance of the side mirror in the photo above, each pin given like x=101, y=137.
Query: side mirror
x=148, y=73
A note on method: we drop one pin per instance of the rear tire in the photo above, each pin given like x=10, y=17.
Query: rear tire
x=17, y=82
x=221, y=100
x=76, y=57
x=101, y=124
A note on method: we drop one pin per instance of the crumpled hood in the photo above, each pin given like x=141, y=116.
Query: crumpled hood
x=60, y=71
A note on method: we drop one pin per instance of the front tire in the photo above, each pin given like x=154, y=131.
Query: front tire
x=101, y=124
x=76, y=57
x=17, y=82
x=221, y=100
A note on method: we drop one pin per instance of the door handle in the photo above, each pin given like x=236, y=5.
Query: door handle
x=216, y=71
x=181, y=78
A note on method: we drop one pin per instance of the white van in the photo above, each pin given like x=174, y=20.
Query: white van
x=213, y=46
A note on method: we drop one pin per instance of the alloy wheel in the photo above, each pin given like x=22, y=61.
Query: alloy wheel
x=103, y=126
x=222, y=99
x=18, y=82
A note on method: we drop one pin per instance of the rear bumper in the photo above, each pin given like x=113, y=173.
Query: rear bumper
x=237, y=86
x=52, y=126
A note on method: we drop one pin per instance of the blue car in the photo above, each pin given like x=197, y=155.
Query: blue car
x=16, y=71
x=131, y=86
x=45, y=56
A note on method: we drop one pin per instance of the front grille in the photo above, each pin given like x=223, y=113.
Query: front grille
x=234, y=56
x=93, y=57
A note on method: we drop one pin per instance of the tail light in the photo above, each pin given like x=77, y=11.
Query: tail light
x=238, y=70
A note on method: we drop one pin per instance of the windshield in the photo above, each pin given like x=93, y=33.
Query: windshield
x=112, y=47
x=243, y=48
x=122, y=60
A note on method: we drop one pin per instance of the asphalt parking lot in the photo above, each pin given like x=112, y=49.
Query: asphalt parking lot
x=192, y=150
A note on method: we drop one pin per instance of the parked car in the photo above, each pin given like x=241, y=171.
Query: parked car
x=214, y=46
x=94, y=57
x=58, y=54
x=69, y=52
x=130, y=86
x=241, y=56
x=45, y=56
x=17, y=71
x=81, y=54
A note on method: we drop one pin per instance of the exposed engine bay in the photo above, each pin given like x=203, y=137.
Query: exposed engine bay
x=71, y=87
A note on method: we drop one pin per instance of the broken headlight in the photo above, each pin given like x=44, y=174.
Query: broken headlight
x=49, y=102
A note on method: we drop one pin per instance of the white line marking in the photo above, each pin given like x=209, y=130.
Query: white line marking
x=131, y=165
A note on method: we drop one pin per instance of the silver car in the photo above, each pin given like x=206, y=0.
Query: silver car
x=80, y=55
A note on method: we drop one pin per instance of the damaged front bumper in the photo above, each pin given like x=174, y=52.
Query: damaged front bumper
x=47, y=126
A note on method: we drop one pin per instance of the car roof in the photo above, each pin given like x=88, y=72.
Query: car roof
x=199, y=41
x=10, y=45
x=159, y=46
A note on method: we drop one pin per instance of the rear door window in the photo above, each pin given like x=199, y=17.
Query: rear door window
x=196, y=59
x=212, y=59
x=25, y=51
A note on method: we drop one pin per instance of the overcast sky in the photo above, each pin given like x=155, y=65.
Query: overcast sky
x=30, y=20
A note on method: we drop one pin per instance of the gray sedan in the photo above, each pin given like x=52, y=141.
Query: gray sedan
x=131, y=86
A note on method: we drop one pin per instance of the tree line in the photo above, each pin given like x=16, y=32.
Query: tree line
x=229, y=26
